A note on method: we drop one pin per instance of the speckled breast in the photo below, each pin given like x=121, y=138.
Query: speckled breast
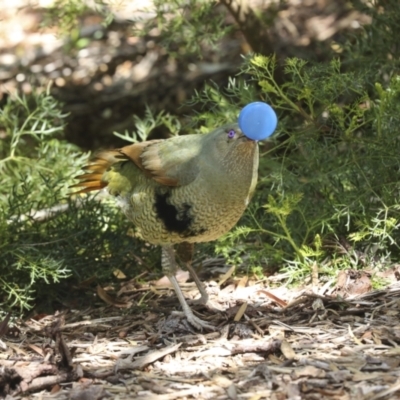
x=184, y=214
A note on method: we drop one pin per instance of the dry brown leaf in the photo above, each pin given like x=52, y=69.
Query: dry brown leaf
x=363, y=376
x=180, y=275
x=221, y=381
x=111, y=300
x=55, y=389
x=18, y=349
x=309, y=371
x=243, y=282
x=149, y=358
x=358, y=341
x=352, y=282
x=226, y=276
x=276, y=299
x=36, y=348
x=287, y=350
x=367, y=335
x=87, y=282
x=119, y=274
x=240, y=312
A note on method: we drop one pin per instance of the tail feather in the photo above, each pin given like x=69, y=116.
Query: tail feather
x=95, y=167
x=93, y=178
x=90, y=176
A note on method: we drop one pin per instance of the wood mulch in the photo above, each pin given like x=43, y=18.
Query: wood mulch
x=271, y=342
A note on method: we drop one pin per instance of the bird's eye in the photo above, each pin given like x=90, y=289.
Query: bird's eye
x=231, y=134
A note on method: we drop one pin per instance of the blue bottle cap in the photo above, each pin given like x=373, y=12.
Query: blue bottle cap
x=257, y=120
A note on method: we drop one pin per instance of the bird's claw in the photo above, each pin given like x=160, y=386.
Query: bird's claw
x=200, y=324
x=196, y=321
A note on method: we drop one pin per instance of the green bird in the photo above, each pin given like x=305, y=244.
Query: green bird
x=180, y=191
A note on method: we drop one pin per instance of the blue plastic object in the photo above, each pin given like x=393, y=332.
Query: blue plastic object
x=257, y=120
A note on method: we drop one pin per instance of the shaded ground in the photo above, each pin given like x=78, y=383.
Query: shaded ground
x=269, y=344
x=104, y=76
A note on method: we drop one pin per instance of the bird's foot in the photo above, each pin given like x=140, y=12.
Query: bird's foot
x=192, y=319
x=195, y=321
x=202, y=300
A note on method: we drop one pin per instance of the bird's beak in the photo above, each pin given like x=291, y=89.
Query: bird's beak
x=245, y=139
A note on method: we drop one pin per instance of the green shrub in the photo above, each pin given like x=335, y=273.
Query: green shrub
x=331, y=176
x=46, y=236
x=328, y=189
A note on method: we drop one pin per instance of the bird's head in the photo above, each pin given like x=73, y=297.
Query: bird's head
x=231, y=147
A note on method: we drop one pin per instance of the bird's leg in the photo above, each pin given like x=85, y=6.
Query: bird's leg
x=185, y=252
x=169, y=266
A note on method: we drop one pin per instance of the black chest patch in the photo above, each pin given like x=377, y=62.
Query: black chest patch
x=176, y=218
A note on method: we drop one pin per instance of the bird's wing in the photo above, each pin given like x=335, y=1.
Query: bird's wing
x=171, y=162
x=168, y=162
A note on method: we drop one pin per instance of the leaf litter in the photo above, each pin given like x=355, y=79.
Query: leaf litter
x=270, y=342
